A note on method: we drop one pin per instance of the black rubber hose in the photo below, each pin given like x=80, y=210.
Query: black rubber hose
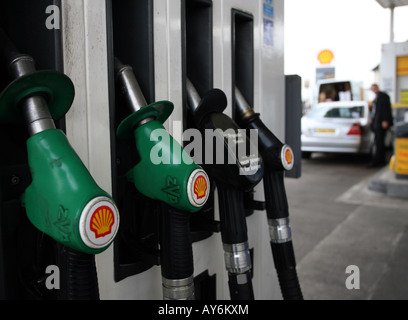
x=240, y=287
x=79, y=280
x=275, y=195
x=234, y=231
x=283, y=253
x=176, y=245
x=232, y=215
x=284, y=259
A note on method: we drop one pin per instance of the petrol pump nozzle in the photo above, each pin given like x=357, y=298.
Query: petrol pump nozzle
x=242, y=167
x=231, y=183
x=278, y=158
x=179, y=184
x=175, y=178
x=63, y=200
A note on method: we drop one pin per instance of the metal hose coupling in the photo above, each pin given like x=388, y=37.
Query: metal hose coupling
x=237, y=258
x=279, y=230
x=178, y=289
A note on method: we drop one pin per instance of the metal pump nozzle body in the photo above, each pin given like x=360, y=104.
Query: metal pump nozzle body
x=63, y=200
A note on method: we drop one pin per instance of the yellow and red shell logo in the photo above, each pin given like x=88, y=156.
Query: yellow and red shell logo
x=200, y=187
x=289, y=156
x=102, y=221
x=325, y=56
x=99, y=223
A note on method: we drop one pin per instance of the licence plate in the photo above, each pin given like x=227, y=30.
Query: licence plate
x=325, y=131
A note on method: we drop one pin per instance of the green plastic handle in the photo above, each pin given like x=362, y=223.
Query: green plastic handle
x=166, y=172
x=63, y=200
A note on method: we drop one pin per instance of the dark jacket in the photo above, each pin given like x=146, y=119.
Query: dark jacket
x=383, y=111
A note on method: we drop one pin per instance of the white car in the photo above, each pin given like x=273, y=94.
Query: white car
x=337, y=127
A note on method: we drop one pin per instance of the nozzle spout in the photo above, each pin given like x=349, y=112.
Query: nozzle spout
x=129, y=87
x=193, y=97
x=243, y=107
x=34, y=108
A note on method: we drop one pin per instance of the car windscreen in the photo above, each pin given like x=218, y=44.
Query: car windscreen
x=356, y=112
x=335, y=91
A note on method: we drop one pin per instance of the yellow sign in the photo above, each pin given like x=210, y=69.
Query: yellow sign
x=325, y=56
x=402, y=66
x=404, y=96
x=401, y=156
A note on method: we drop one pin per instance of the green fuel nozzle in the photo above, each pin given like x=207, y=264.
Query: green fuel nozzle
x=63, y=200
x=165, y=171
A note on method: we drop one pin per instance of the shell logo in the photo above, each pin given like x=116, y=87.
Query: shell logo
x=289, y=156
x=325, y=56
x=102, y=221
x=99, y=223
x=200, y=187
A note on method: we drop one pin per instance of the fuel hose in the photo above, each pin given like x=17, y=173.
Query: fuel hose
x=176, y=255
x=78, y=277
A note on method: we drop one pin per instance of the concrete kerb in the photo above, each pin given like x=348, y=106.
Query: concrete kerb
x=386, y=182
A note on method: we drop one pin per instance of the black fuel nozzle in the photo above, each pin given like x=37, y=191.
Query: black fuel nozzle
x=278, y=158
x=238, y=164
x=276, y=155
x=235, y=166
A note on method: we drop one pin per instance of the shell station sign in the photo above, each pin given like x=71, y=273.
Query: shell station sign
x=325, y=56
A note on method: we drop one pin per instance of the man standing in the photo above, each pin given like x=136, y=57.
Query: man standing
x=382, y=120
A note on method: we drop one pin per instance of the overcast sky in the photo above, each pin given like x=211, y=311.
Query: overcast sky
x=353, y=29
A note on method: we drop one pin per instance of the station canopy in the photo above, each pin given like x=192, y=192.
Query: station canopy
x=392, y=3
